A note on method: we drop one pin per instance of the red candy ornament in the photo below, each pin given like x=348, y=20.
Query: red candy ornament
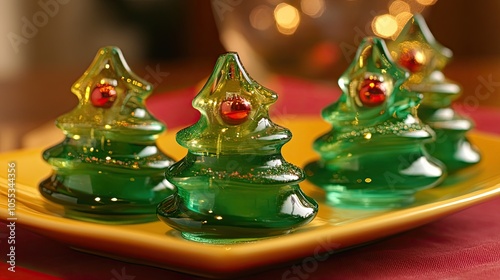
x=235, y=110
x=412, y=60
x=103, y=95
x=372, y=92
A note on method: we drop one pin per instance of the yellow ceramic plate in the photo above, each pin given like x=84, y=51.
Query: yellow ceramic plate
x=333, y=229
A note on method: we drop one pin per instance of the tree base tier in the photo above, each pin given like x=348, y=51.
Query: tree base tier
x=453, y=149
x=375, y=181
x=370, y=199
x=107, y=198
x=232, y=215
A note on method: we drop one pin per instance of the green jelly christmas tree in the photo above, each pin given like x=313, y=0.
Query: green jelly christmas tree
x=108, y=168
x=374, y=156
x=234, y=184
x=416, y=50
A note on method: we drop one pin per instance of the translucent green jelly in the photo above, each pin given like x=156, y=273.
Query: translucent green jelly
x=374, y=157
x=108, y=168
x=451, y=146
x=234, y=185
x=418, y=51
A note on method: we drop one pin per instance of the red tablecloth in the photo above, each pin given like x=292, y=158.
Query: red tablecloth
x=465, y=245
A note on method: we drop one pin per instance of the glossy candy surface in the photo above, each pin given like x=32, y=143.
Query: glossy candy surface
x=234, y=185
x=374, y=156
x=417, y=50
x=108, y=168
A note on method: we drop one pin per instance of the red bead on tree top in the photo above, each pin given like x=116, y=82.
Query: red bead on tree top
x=412, y=59
x=372, y=92
x=103, y=95
x=235, y=110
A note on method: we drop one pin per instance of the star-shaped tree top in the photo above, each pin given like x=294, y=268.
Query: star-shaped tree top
x=111, y=102
x=372, y=89
x=234, y=113
x=417, y=50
